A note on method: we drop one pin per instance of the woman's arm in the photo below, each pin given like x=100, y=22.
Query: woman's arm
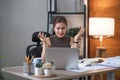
x=45, y=42
x=80, y=33
x=74, y=41
x=43, y=51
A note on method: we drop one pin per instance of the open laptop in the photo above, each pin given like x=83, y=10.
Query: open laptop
x=63, y=58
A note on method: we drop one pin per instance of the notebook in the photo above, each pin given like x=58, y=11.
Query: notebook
x=63, y=58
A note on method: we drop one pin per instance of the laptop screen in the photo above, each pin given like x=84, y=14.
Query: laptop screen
x=63, y=58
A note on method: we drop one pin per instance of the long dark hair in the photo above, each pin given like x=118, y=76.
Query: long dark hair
x=58, y=19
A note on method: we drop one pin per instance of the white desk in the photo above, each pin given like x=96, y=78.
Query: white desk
x=61, y=74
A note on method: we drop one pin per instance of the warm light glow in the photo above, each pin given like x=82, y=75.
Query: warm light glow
x=101, y=26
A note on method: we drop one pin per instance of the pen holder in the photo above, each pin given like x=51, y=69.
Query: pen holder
x=28, y=68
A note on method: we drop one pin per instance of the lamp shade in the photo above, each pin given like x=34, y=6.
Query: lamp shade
x=101, y=26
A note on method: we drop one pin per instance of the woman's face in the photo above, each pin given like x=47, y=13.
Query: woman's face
x=60, y=29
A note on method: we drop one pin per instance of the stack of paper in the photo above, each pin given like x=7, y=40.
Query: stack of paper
x=112, y=62
x=88, y=64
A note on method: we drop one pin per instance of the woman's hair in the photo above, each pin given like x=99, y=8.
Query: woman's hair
x=58, y=19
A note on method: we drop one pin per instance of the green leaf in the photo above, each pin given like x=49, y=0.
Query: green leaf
x=73, y=31
x=38, y=65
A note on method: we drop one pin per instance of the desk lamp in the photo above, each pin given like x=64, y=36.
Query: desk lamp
x=100, y=27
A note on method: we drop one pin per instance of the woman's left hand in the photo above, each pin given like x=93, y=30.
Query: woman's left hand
x=81, y=32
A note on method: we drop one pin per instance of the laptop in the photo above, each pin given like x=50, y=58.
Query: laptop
x=63, y=58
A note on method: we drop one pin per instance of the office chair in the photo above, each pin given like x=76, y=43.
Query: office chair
x=35, y=49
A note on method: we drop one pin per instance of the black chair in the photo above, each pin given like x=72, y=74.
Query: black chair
x=35, y=49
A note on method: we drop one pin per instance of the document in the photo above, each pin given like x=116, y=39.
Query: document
x=87, y=65
x=88, y=68
x=113, y=62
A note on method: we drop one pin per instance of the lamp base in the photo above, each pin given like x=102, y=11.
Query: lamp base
x=101, y=52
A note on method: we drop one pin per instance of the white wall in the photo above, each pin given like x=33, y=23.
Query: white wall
x=19, y=20
x=0, y=30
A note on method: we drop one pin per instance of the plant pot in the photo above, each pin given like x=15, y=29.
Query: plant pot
x=47, y=72
x=38, y=71
x=53, y=69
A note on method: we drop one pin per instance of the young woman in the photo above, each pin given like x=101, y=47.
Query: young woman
x=59, y=37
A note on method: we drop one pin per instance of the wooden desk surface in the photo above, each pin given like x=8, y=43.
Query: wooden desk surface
x=61, y=74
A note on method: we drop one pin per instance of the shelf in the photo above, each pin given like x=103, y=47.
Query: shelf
x=66, y=13
x=75, y=15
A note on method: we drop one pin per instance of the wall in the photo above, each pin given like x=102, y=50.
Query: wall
x=103, y=8
x=106, y=8
x=0, y=30
x=19, y=20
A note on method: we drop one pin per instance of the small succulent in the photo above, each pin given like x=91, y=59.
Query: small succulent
x=48, y=65
x=38, y=65
x=51, y=62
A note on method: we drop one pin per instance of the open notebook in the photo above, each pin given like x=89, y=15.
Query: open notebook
x=63, y=58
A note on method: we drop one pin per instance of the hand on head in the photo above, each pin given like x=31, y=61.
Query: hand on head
x=42, y=37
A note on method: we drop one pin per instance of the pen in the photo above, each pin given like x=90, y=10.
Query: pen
x=27, y=59
x=31, y=59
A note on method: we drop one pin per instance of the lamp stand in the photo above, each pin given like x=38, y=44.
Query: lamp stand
x=101, y=39
x=101, y=52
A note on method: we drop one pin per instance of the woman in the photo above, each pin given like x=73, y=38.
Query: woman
x=59, y=37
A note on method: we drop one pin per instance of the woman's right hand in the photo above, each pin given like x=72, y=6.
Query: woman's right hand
x=42, y=37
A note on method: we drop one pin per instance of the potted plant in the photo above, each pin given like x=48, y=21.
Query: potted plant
x=1, y=75
x=48, y=67
x=72, y=32
x=53, y=66
x=38, y=69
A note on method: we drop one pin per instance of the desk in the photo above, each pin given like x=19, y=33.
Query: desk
x=61, y=74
